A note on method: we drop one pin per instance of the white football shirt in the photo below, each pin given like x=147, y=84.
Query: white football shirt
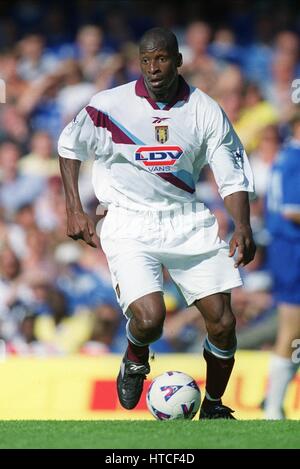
x=148, y=155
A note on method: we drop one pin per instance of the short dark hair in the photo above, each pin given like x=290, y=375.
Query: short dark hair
x=159, y=37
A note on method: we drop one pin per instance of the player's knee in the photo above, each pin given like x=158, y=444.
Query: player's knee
x=228, y=323
x=150, y=324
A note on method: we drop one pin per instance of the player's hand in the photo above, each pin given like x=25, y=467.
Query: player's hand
x=242, y=240
x=81, y=226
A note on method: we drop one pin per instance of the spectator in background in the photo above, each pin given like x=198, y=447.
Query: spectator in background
x=287, y=43
x=15, y=84
x=97, y=263
x=39, y=104
x=82, y=286
x=4, y=228
x=24, y=342
x=55, y=28
x=38, y=257
x=91, y=54
x=118, y=31
x=12, y=123
x=278, y=90
x=12, y=293
x=16, y=189
x=204, y=80
x=228, y=91
x=76, y=92
x=255, y=115
x=195, y=54
x=262, y=158
x=283, y=221
x=261, y=162
x=14, y=127
x=105, y=325
x=34, y=63
x=9, y=277
x=48, y=207
x=23, y=222
x=55, y=327
x=258, y=54
x=224, y=48
x=130, y=56
x=40, y=161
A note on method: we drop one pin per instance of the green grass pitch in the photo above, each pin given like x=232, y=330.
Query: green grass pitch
x=120, y=434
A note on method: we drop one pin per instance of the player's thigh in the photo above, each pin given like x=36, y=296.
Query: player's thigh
x=216, y=309
x=204, y=275
x=135, y=274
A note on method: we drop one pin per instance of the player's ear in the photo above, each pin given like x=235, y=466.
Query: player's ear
x=179, y=60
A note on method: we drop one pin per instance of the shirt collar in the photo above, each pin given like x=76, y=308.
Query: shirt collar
x=183, y=91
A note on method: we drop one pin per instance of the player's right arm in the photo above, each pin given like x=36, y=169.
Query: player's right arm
x=75, y=145
x=79, y=224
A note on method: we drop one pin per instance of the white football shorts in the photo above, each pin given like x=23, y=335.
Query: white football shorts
x=138, y=244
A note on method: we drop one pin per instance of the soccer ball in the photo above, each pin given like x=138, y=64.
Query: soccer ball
x=173, y=395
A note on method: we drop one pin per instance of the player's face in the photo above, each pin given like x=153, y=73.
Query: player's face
x=159, y=69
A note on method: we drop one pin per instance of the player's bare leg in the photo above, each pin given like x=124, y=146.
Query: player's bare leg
x=144, y=327
x=282, y=367
x=219, y=349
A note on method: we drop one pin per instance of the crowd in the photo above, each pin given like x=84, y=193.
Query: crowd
x=55, y=295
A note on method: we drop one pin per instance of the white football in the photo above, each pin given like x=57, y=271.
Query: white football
x=173, y=395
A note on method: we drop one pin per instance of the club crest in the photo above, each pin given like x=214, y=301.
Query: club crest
x=161, y=133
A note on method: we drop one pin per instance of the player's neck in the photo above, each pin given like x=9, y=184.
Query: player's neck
x=167, y=96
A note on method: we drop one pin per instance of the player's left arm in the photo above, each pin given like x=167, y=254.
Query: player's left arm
x=237, y=205
x=230, y=165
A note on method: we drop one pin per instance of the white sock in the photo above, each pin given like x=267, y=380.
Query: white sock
x=282, y=371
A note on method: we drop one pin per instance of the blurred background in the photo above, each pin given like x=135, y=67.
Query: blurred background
x=56, y=296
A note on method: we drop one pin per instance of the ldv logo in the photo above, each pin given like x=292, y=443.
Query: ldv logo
x=158, y=156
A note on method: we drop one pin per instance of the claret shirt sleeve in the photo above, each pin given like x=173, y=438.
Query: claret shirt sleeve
x=226, y=155
x=86, y=136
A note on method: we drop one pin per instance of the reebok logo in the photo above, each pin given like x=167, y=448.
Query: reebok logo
x=158, y=120
x=136, y=367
